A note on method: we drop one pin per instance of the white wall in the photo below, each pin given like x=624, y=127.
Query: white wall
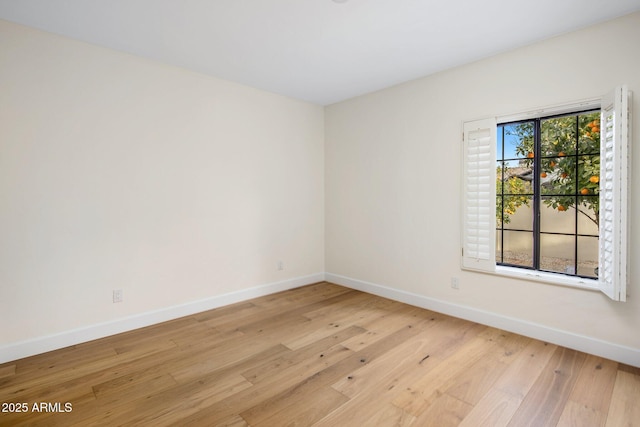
x=393, y=162
x=122, y=173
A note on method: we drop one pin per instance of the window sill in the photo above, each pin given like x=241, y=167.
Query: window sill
x=550, y=278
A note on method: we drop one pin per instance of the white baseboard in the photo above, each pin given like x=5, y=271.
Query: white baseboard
x=619, y=353
x=43, y=344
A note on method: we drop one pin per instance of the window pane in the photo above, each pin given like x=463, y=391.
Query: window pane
x=558, y=136
x=589, y=136
x=588, y=256
x=518, y=213
x=587, y=218
x=558, y=175
x=557, y=253
x=558, y=219
x=517, y=181
x=498, y=246
x=518, y=141
x=589, y=175
x=518, y=248
x=499, y=212
x=499, y=139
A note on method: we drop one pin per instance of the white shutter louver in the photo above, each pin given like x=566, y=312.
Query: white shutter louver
x=614, y=214
x=479, y=193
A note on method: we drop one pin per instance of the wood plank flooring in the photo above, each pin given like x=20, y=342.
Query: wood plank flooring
x=320, y=355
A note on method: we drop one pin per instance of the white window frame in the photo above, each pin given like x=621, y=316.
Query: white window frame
x=479, y=196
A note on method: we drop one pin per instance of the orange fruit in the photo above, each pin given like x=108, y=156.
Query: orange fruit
x=564, y=175
x=543, y=175
x=530, y=155
x=584, y=191
x=594, y=179
x=552, y=163
x=595, y=129
x=561, y=154
x=561, y=208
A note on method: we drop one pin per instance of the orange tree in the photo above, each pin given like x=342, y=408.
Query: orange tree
x=569, y=164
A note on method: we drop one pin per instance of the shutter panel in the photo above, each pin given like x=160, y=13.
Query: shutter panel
x=479, y=193
x=614, y=214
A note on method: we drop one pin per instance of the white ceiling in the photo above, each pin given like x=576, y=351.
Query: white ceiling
x=314, y=50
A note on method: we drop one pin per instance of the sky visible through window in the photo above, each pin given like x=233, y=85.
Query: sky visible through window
x=511, y=141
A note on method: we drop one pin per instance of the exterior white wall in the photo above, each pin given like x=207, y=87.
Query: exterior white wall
x=564, y=222
x=393, y=162
x=122, y=173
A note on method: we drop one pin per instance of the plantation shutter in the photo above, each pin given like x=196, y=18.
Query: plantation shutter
x=614, y=213
x=479, y=195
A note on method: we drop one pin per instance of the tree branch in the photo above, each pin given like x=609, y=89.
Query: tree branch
x=594, y=220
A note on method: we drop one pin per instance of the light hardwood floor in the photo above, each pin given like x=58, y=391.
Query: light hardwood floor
x=320, y=355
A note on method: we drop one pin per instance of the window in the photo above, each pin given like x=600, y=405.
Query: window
x=545, y=195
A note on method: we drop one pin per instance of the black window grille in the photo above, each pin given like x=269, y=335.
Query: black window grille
x=547, y=207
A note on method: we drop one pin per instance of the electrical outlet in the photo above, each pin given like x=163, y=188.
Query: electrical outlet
x=280, y=265
x=117, y=295
x=455, y=283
